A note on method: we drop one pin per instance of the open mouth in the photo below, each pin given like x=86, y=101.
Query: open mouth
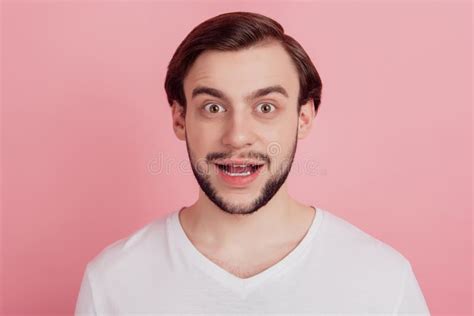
x=239, y=170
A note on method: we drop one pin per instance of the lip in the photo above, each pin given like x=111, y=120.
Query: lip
x=238, y=182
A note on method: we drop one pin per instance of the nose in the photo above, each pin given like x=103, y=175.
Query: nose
x=238, y=132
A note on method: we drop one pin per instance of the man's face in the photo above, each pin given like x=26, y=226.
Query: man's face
x=228, y=124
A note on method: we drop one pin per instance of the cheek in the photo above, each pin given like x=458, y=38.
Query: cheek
x=202, y=140
x=279, y=141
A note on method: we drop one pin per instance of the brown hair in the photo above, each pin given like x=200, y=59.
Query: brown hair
x=231, y=32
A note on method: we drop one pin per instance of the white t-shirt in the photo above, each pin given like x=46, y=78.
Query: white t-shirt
x=336, y=268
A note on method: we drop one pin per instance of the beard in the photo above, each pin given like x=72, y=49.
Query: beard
x=270, y=188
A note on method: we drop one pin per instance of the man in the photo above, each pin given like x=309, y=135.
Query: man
x=242, y=93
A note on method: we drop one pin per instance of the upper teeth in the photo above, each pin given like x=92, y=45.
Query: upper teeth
x=234, y=165
x=240, y=174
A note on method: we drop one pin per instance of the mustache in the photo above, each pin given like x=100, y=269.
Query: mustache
x=250, y=155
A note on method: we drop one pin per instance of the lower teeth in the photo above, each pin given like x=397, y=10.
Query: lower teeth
x=238, y=174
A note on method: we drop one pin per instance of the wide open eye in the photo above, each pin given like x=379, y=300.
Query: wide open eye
x=266, y=107
x=213, y=108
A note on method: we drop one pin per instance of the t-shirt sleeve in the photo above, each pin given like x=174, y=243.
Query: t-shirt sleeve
x=411, y=300
x=85, y=301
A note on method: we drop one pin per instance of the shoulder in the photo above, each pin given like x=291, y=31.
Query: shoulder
x=358, y=266
x=140, y=246
x=346, y=241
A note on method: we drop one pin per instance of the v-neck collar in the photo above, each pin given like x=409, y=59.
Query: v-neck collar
x=240, y=285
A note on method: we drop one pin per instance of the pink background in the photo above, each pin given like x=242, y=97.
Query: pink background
x=89, y=155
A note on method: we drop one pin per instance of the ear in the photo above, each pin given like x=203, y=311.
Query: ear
x=305, y=119
x=178, y=117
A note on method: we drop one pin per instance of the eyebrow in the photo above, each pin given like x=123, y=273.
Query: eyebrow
x=255, y=94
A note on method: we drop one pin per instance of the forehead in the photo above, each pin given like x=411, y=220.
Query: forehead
x=242, y=71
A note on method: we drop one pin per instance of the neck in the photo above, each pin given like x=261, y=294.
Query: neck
x=275, y=223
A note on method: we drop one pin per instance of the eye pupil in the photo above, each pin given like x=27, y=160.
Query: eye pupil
x=266, y=107
x=214, y=108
